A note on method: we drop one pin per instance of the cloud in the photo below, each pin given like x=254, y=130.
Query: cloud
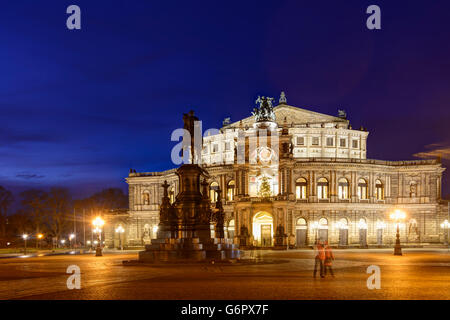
x=25, y=175
x=435, y=150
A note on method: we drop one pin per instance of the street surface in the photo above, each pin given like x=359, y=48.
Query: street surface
x=418, y=274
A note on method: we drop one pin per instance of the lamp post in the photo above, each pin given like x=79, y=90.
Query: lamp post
x=98, y=224
x=120, y=230
x=446, y=226
x=63, y=241
x=25, y=237
x=71, y=237
x=398, y=216
x=39, y=237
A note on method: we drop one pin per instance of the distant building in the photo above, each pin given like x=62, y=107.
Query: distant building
x=321, y=185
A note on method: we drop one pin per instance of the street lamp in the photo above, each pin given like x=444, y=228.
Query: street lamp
x=39, y=236
x=71, y=237
x=62, y=242
x=120, y=230
x=446, y=225
x=398, y=216
x=98, y=224
x=25, y=237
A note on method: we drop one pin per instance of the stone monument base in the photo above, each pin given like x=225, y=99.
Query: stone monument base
x=188, y=250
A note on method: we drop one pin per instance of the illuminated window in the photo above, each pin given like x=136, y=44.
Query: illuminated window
x=379, y=190
x=322, y=188
x=362, y=189
x=300, y=188
x=315, y=141
x=343, y=188
x=213, y=187
x=323, y=223
x=330, y=142
x=230, y=190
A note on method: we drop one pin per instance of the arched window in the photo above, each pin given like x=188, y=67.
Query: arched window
x=230, y=190
x=322, y=188
x=172, y=194
x=146, y=198
x=362, y=224
x=213, y=187
x=343, y=188
x=323, y=223
x=301, y=222
x=342, y=224
x=300, y=188
x=362, y=189
x=379, y=190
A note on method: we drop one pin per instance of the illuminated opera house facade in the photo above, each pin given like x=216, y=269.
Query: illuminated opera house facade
x=314, y=182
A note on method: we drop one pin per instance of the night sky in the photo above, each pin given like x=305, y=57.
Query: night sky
x=79, y=108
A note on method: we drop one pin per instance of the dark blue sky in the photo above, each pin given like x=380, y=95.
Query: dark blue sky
x=79, y=108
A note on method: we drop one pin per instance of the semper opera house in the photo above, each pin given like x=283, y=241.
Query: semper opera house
x=302, y=175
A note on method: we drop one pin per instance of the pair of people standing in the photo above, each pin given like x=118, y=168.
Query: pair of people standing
x=324, y=257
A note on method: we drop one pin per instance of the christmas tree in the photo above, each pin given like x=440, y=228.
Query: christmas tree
x=264, y=189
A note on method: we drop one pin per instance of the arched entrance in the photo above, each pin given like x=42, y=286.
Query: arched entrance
x=323, y=230
x=362, y=226
x=231, y=229
x=342, y=225
x=300, y=232
x=263, y=229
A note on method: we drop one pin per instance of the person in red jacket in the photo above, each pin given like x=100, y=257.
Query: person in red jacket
x=319, y=253
x=329, y=257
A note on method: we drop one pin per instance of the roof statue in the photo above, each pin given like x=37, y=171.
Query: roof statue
x=342, y=114
x=265, y=110
x=226, y=122
x=283, y=99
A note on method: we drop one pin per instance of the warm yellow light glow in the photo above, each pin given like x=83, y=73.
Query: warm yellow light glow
x=98, y=222
x=71, y=236
x=40, y=236
x=362, y=224
x=445, y=224
x=63, y=241
x=341, y=225
x=25, y=236
x=120, y=229
x=380, y=225
x=398, y=215
x=315, y=225
x=155, y=229
x=262, y=219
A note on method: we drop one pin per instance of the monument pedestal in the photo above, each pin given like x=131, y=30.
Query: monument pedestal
x=188, y=250
x=185, y=225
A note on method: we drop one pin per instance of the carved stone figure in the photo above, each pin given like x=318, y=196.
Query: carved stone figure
x=265, y=110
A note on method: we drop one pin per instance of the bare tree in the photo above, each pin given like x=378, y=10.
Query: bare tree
x=34, y=202
x=6, y=199
x=59, y=211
